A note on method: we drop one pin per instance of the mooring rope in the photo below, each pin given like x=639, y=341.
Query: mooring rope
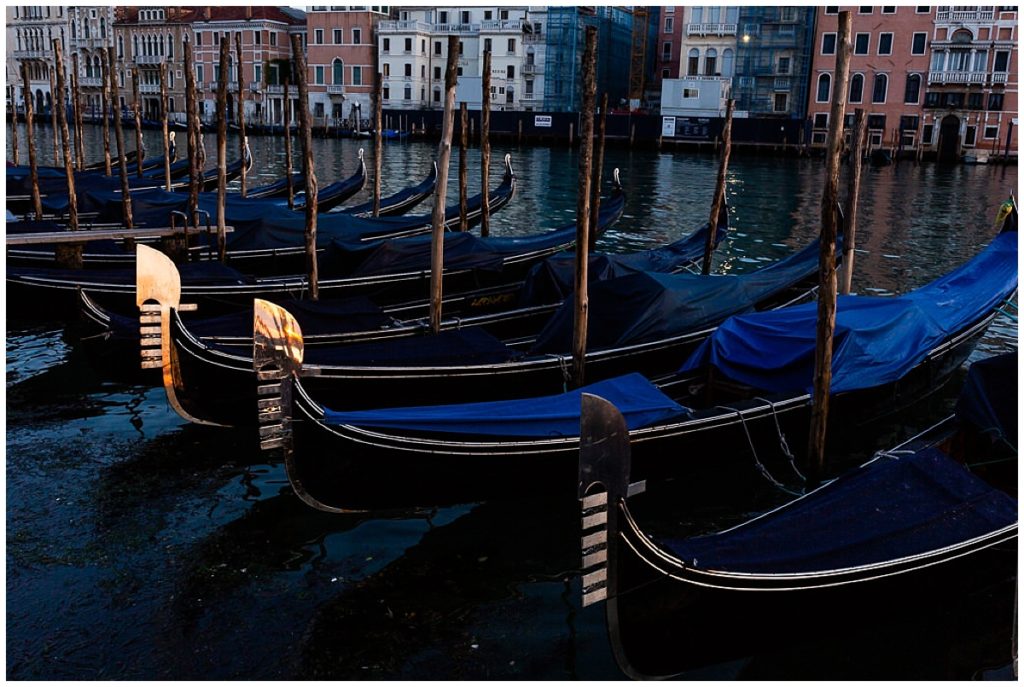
x=783, y=444
x=757, y=461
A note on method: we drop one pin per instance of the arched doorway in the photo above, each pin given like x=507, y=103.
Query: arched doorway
x=231, y=108
x=949, y=139
x=39, y=101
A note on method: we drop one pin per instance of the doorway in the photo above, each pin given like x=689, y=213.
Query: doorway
x=949, y=139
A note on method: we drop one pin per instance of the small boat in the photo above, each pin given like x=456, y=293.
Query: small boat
x=751, y=376
x=914, y=528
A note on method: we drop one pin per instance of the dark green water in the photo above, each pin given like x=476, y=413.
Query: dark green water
x=141, y=547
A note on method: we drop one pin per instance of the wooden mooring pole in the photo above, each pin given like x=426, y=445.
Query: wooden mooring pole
x=826, y=263
x=137, y=110
x=192, y=120
x=444, y=154
x=306, y=133
x=719, y=198
x=14, y=125
x=242, y=142
x=57, y=162
x=105, y=110
x=288, y=145
x=65, y=136
x=485, y=146
x=164, y=123
x=76, y=99
x=33, y=169
x=463, y=173
x=853, y=193
x=588, y=92
x=378, y=141
x=222, y=149
x=122, y=165
x=595, y=203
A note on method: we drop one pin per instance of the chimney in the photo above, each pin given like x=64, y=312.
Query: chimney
x=248, y=12
x=207, y=12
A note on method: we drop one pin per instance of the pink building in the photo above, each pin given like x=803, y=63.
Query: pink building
x=670, y=36
x=341, y=47
x=266, y=53
x=888, y=72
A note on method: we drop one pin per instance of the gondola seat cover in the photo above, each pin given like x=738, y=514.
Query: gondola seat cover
x=639, y=401
x=650, y=306
x=891, y=508
x=988, y=401
x=877, y=340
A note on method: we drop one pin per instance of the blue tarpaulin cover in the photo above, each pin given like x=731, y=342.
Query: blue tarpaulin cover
x=877, y=340
x=887, y=509
x=648, y=306
x=639, y=401
x=988, y=401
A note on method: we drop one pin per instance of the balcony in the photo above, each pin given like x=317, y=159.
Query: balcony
x=964, y=15
x=530, y=68
x=711, y=29
x=90, y=82
x=782, y=83
x=149, y=88
x=999, y=77
x=402, y=26
x=705, y=77
x=33, y=54
x=957, y=77
x=501, y=26
x=255, y=87
x=455, y=28
x=534, y=38
x=148, y=59
x=275, y=88
x=336, y=89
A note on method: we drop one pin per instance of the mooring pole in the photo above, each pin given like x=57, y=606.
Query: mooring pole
x=242, y=142
x=853, y=193
x=76, y=97
x=115, y=99
x=222, y=149
x=192, y=120
x=14, y=125
x=444, y=154
x=33, y=169
x=53, y=120
x=288, y=145
x=306, y=132
x=719, y=198
x=588, y=92
x=105, y=110
x=463, y=181
x=164, y=124
x=485, y=146
x=65, y=135
x=378, y=141
x=595, y=202
x=827, y=263
x=137, y=108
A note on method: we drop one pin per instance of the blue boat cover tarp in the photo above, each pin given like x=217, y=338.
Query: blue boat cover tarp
x=649, y=306
x=639, y=401
x=890, y=508
x=877, y=340
x=988, y=401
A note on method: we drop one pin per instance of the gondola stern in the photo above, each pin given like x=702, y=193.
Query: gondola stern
x=277, y=356
x=157, y=290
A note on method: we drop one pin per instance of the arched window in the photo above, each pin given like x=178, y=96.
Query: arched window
x=857, y=88
x=135, y=46
x=824, y=88
x=913, y=90
x=880, y=89
x=710, y=62
x=103, y=27
x=120, y=47
x=692, y=59
x=728, y=60
x=170, y=46
x=337, y=72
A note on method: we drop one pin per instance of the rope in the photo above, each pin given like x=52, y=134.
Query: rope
x=783, y=444
x=757, y=461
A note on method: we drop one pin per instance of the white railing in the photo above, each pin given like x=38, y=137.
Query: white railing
x=782, y=83
x=336, y=89
x=149, y=88
x=530, y=68
x=148, y=59
x=455, y=28
x=275, y=88
x=965, y=15
x=957, y=77
x=999, y=77
x=711, y=29
x=90, y=82
x=502, y=25
x=402, y=26
x=31, y=54
x=704, y=77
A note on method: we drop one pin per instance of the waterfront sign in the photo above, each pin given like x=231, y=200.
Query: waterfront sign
x=668, y=126
x=542, y=121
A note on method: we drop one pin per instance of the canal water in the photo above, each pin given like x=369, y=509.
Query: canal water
x=141, y=547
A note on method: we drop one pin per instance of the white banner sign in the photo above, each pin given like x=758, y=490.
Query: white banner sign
x=542, y=121
x=668, y=126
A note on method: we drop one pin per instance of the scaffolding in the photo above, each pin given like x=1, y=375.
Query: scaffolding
x=564, y=54
x=773, y=61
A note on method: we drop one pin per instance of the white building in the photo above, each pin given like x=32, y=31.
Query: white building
x=707, y=59
x=413, y=52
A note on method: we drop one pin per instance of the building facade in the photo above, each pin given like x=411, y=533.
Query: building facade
x=671, y=21
x=341, y=57
x=90, y=30
x=30, y=34
x=773, y=61
x=706, y=63
x=564, y=40
x=146, y=37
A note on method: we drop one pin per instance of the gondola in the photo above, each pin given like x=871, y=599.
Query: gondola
x=267, y=238
x=910, y=531
x=748, y=382
x=398, y=203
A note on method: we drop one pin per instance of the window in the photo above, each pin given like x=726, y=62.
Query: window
x=386, y=93
x=423, y=46
x=783, y=66
x=970, y=135
x=199, y=73
x=437, y=95
x=991, y=132
x=781, y=102
x=912, y=93
x=318, y=36
x=917, y=46
x=834, y=9
x=710, y=62
x=437, y=73
x=1002, y=61
x=387, y=69
x=386, y=44
x=861, y=43
x=668, y=24
x=926, y=133
x=503, y=14
x=666, y=51
x=460, y=47
x=821, y=120
x=357, y=76
x=408, y=45
x=727, y=62
x=437, y=47
x=318, y=110
x=442, y=17
x=423, y=71
x=273, y=38
x=866, y=9
x=828, y=44
x=488, y=15
x=909, y=123
x=885, y=44
x=923, y=9
x=664, y=75
x=857, y=88
x=337, y=72
x=824, y=88
x=257, y=73
x=995, y=101
x=407, y=93
x=257, y=37
x=408, y=69
x=691, y=93
x=890, y=9
x=464, y=17
x=318, y=71
x=337, y=37
x=487, y=45
x=511, y=72
x=357, y=36
x=511, y=45
x=881, y=87
x=691, y=62
x=975, y=101
x=876, y=121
